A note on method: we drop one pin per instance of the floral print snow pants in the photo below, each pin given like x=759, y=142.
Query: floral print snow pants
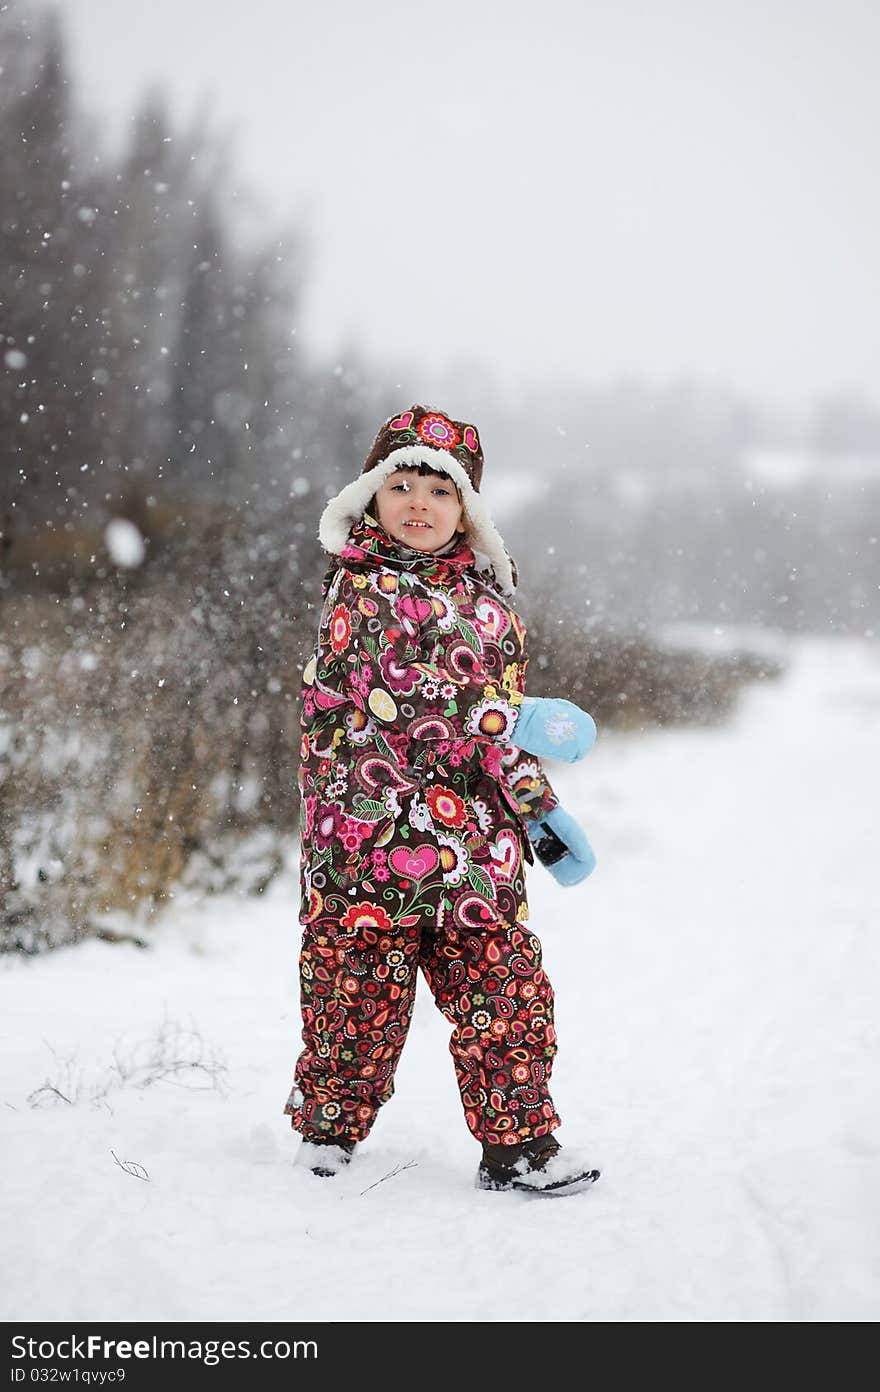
x=358, y=983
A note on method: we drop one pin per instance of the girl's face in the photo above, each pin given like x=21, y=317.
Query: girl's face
x=421, y=510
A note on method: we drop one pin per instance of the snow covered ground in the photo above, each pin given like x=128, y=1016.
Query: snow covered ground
x=717, y=1010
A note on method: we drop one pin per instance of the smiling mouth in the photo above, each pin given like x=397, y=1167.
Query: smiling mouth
x=417, y=524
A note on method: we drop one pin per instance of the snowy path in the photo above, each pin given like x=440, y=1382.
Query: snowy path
x=716, y=1005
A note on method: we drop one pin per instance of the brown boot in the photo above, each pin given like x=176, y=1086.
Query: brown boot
x=538, y=1166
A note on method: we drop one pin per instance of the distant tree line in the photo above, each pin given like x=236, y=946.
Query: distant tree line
x=143, y=356
x=639, y=506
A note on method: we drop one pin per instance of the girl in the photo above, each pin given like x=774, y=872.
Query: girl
x=421, y=790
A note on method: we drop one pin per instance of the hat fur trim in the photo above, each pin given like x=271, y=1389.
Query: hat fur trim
x=347, y=508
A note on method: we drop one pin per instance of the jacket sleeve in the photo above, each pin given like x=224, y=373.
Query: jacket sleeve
x=420, y=675
x=525, y=778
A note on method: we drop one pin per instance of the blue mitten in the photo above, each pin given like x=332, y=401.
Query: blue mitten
x=553, y=728
x=579, y=862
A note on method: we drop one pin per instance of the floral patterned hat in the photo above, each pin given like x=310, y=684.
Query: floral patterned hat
x=422, y=436
x=416, y=435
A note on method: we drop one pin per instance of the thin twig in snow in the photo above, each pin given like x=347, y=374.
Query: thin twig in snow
x=47, y=1087
x=398, y=1169
x=131, y=1167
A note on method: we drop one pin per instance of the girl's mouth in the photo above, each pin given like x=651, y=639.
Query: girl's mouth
x=417, y=524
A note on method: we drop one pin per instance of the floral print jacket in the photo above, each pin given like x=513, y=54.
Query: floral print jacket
x=408, y=773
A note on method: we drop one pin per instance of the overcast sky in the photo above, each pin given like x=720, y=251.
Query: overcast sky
x=564, y=189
